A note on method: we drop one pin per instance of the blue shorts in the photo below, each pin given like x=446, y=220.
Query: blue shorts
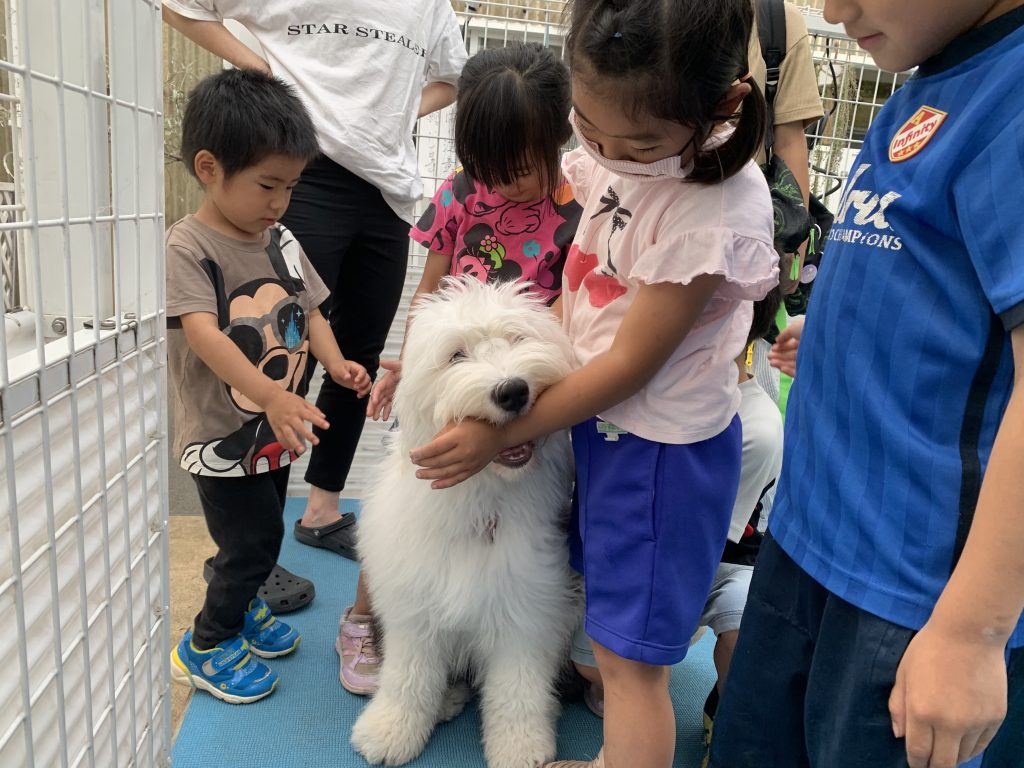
x=649, y=526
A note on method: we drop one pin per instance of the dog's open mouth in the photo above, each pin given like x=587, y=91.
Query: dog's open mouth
x=516, y=456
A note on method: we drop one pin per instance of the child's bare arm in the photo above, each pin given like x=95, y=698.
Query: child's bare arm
x=436, y=95
x=286, y=412
x=215, y=37
x=782, y=355
x=654, y=326
x=950, y=715
x=324, y=346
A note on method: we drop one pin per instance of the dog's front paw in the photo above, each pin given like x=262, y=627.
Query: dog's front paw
x=388, y=734
x=455, y=699
x=519, y=748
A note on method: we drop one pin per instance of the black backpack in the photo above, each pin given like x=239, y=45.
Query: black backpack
x=794, y=223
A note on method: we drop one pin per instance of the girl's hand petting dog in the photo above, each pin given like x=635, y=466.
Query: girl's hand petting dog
x=458, y=452
x=382, y=395
x=351, y=375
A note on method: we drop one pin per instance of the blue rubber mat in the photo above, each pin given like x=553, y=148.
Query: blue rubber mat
x=306, y=722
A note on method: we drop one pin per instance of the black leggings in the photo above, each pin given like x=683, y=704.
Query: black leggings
x=360, y=248
x=244, y=517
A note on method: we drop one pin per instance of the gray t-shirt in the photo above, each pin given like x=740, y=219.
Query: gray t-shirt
x=261, y=294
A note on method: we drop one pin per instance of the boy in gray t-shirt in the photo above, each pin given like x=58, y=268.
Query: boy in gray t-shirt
x=243, y=320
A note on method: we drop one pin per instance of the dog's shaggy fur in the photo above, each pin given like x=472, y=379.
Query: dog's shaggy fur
x=474, y=578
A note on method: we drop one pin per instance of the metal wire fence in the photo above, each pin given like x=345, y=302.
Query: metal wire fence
x=83, y=567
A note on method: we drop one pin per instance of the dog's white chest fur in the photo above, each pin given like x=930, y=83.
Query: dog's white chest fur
x=475, y=577
x=474, y=556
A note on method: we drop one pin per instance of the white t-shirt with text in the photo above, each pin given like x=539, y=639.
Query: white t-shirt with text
x=360, y=67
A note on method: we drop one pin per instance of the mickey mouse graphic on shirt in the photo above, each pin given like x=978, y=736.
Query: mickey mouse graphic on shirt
x=265, y=320
x=602, y=283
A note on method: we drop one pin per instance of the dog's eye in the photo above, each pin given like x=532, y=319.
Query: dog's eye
x=457, y=357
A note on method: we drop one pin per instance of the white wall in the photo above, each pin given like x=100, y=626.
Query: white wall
x=83, y=571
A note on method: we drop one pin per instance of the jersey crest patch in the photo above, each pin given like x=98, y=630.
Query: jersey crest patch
x=915, y=134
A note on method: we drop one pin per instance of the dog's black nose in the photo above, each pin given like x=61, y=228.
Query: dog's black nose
x=511, y=395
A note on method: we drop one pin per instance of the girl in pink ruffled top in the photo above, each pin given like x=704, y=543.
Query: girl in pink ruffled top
x=674, y=245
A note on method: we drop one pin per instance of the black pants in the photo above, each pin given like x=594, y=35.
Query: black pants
x=245, y=518
x=360, y=248
x=810, y=680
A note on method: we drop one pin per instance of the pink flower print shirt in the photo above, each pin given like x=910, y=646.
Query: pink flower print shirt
x=495, y=239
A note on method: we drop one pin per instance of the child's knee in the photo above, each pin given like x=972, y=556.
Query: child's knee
x=615, y=669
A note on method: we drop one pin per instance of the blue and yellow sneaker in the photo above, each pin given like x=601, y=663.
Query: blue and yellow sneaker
x=267, y=635
x=228, y=670
x=710, y=710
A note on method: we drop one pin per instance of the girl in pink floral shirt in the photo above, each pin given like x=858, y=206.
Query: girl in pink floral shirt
x=507, y=214
x=471, y=228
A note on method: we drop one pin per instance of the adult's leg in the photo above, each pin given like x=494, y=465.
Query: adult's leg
x=324, y=217
x=325, y=214
x=244, y=517
x=369, y=289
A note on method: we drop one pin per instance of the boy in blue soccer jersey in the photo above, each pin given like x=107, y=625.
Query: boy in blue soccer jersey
x=888, y=595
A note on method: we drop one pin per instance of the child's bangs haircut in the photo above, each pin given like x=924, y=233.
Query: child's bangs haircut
x=513, y=114
x=674, y=60
x=241, y=116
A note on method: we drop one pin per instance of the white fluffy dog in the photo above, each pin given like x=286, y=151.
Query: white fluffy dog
x=474, y=578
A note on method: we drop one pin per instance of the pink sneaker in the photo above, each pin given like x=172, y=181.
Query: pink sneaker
x=360, y=664
x=593, y=697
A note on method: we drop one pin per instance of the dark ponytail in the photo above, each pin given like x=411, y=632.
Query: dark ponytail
x=675, y=60
x=719, y=163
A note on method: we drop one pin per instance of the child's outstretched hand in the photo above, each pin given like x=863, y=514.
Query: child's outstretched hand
x=457, y=452
x=782, y=355
x=351, y=375
x=288, y=414
x=383, y=393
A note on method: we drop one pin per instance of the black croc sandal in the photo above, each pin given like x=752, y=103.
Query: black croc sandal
x=283, y=591
x=338, y=537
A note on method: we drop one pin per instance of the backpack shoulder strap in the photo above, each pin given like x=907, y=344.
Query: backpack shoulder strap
x=771, y=29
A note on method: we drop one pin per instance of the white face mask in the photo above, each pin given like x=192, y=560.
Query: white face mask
x=666, y=168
